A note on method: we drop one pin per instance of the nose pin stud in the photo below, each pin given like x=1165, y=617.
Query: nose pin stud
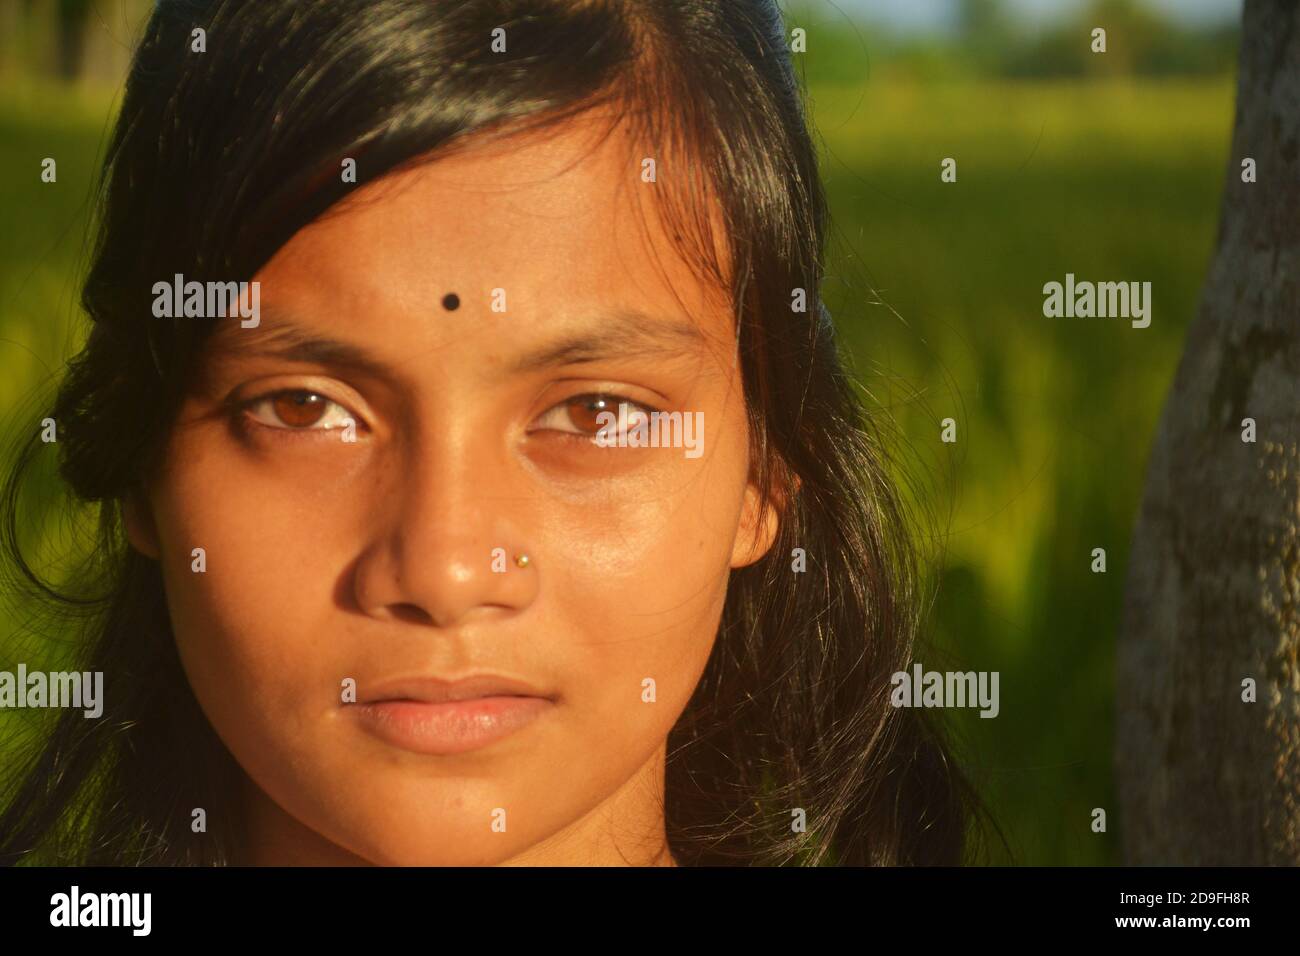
x=522, y=560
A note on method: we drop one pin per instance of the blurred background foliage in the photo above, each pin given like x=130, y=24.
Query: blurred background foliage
x=1108, y=166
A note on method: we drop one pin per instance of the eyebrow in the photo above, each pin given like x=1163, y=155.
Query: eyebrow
x=621, y=334
x=285, y=340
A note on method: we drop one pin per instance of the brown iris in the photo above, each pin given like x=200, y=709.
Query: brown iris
x=299, y=409
x=584, y=408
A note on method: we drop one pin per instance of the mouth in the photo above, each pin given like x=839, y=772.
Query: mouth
x=435, y=690
x=442, y=718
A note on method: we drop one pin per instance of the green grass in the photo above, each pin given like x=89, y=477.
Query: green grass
x=1055, y=416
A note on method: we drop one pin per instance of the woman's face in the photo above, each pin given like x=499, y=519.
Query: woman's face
x=383, y=556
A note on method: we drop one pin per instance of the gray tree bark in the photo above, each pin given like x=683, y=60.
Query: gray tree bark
x=1213, y=589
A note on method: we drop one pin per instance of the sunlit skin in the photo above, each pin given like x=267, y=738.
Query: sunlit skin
x=373, y=559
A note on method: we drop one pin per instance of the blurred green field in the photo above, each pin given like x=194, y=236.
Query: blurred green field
x=937, y=290
x=1113, y=181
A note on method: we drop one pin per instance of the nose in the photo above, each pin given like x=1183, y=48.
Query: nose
x=445, y=540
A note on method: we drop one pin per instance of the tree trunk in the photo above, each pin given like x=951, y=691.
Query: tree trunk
x=74, y=15
x=1213, y=588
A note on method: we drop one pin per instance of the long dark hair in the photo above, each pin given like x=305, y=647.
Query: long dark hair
x=219, y=157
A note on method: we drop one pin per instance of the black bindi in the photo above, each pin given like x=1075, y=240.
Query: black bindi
x=451, y=302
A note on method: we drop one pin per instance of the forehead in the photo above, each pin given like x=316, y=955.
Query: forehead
x=560, y=221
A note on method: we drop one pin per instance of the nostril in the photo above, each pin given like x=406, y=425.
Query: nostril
x=411, y=613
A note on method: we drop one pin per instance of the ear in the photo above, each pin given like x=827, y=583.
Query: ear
x=137, y=517
x=757, y=530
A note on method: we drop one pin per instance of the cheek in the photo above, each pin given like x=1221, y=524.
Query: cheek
x=642, y=578
x=249, y=627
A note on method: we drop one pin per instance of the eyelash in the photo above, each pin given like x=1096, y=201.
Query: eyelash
x=243, y=412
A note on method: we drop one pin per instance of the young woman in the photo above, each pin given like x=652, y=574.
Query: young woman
x=531, y=518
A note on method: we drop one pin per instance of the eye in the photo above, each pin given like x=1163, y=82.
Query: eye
x=587, y=415
x=298, y=410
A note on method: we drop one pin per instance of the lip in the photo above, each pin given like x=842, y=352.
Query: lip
x=442, y=718
x=437, y=690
